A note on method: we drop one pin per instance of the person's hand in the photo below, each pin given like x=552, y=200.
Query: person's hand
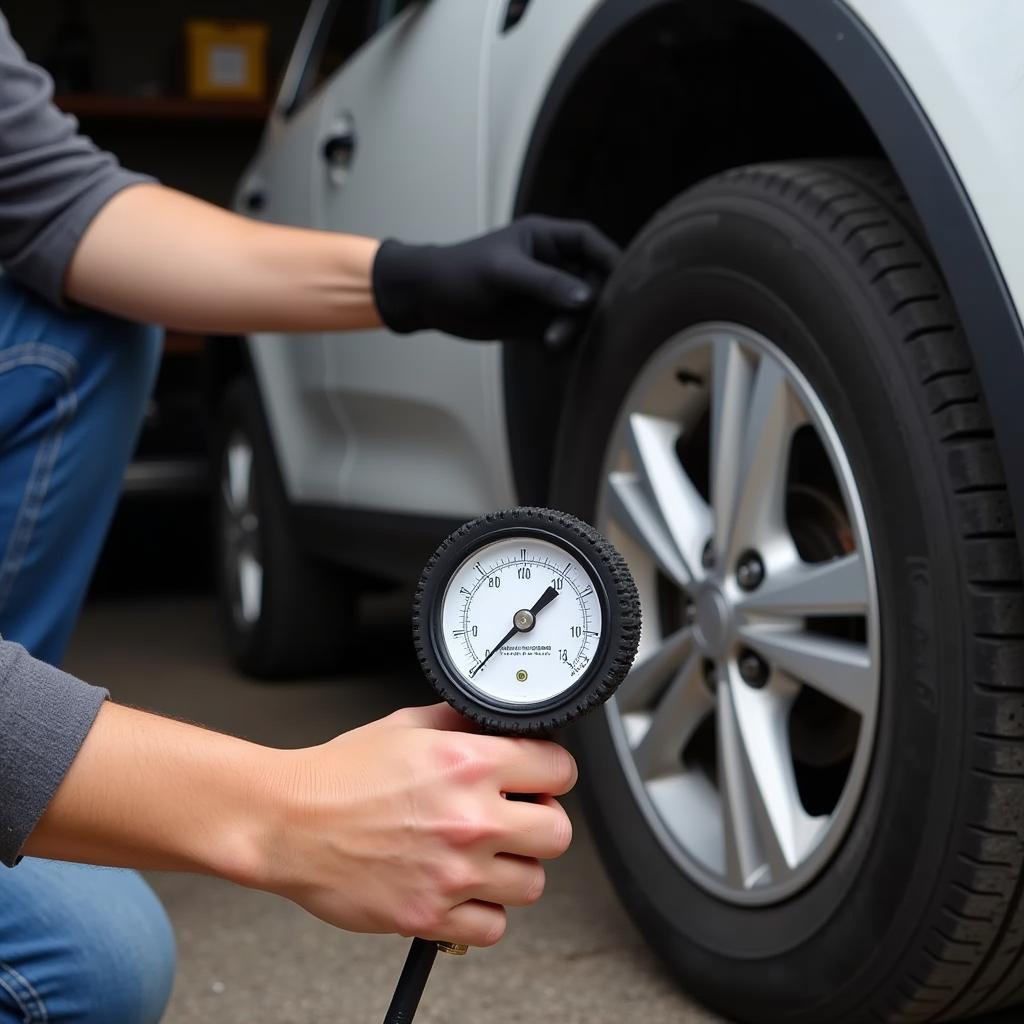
x=535, y=279
x=401, y=826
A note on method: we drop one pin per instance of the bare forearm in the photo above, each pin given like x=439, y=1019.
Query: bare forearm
x=149, y=792
x=401, y=825
x=157, y=255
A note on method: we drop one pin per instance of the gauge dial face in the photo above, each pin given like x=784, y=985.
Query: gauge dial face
x=521, y=620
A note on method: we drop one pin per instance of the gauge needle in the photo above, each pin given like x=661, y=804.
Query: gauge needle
x=542, y=602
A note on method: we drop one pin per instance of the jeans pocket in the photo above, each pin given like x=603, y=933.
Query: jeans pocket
x=36, y=389
x=37, y=401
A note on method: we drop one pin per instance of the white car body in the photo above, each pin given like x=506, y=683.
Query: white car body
x=340, y=405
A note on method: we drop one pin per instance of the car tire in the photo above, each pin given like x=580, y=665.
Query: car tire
x=284, y=613
x=916, y=913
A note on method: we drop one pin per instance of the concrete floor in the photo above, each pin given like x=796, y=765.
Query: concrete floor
x=247, y=957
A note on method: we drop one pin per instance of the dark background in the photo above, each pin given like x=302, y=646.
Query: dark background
x=138, y=51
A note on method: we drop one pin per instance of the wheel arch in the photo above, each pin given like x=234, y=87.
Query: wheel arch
x=225, y=358
x=726, y=98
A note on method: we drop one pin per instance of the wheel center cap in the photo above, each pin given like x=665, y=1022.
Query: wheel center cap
x=712, y=621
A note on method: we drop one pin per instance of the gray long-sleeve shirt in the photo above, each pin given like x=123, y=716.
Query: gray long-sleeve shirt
x=53, y=181
x=45, y=715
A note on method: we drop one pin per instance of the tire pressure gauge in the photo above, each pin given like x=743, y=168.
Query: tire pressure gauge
x=525, y=619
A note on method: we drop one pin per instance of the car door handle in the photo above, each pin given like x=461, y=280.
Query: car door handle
x=514, y=14
x=339, y=149
x=254, y=200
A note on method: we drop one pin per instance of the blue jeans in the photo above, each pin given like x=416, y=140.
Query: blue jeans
x=77, y=943
x=81, y=944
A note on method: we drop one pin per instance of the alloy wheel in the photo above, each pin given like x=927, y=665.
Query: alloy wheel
x=747, y=724
x=243, y=566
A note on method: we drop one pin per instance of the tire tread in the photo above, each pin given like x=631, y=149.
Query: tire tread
x=970, y=959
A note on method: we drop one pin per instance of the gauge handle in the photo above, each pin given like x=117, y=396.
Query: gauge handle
x=406, y=999
x=419, y=961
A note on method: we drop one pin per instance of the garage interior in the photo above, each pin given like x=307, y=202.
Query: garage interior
x=150, y=631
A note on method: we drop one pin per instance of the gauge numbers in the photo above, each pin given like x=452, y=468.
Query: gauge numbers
x=521, y=620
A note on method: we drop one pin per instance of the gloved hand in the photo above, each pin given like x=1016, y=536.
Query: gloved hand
x=535, y=279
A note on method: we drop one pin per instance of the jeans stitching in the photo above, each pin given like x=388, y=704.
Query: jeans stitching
x=37, y=1016
x=65, y=365
x=26, y=1015
x=31, y=989
x=46, y=355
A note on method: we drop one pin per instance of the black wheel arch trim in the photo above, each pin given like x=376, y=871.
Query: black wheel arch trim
x=874, y=83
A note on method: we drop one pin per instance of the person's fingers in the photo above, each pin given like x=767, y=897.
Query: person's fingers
x=580, y=242
x=475, y=923
x=547, y=801
x=530, y=278
x=561, y=332
x=535, y=766
x=511, y=881
x=541, y=829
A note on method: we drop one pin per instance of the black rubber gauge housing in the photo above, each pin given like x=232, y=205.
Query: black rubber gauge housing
x=595, y=563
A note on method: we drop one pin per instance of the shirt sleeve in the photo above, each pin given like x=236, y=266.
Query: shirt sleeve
x=53, y=180
x=45, y=715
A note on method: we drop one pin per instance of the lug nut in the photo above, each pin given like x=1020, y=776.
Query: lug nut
x=750, y=570
x=707, y=556
x=753, y=670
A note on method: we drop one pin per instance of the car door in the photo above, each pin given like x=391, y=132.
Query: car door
x=278, y=186
x=399, y=155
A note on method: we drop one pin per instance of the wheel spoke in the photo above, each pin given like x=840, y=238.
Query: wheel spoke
x=743, y=859
x=837, y=668
x=685, y=704
x=231, y=509
x=680, y=506
x=730, y=388
x=837, y=587
x=250, y=587
x=760, y=491
x=239, y=474
x=630, y=505
x=652, y=671
x=784, y=828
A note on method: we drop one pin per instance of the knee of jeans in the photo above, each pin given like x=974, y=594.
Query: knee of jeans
x=125, y=972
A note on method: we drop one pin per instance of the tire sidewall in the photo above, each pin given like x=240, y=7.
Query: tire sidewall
x=723, y=256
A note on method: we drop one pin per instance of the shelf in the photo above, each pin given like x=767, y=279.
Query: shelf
x=178, y=343
x=160, y=108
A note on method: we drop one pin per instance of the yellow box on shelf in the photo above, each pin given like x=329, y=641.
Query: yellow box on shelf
x=226, y=59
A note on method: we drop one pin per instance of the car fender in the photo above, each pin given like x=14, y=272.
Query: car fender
x=938, y=83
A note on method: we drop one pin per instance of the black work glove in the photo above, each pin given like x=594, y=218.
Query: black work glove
x=535, y=279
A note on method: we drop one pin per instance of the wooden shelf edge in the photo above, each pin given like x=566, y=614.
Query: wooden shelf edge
x=178, y=343
x=168, y=108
